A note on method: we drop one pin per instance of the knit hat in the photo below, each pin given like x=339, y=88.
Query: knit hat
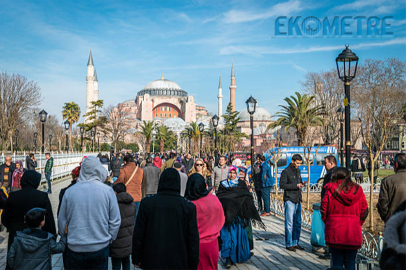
x=177, y=165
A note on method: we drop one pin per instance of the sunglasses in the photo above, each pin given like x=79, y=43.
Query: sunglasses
x=199, y=164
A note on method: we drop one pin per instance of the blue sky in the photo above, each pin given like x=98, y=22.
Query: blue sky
x=191, y=42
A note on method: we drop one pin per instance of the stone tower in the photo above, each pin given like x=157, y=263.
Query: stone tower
x=92, y=85
x=220, y=100
x=232, y=87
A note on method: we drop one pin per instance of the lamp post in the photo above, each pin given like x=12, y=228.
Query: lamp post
x=189, y=133
x=35, y=141
x=92, y=136
x=43, y=117
x=153, y=141
x=67, y=125
x=201, y=128
x=50, y=141
x=176, y=143
x=251, y=107
x=98, y=141
x=215, y=122
x=82, y=131
x=340, y=113
x=347, y=74
x=16, y=140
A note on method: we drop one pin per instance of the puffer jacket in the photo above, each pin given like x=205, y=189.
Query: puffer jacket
x=32, y=249
x=343, y=216
x=134, y=186
x=122, y=246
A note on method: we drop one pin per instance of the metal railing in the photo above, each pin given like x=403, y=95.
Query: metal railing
x=372, y=245
x=314, y=188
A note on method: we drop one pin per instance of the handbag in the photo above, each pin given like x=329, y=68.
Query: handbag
x=131, y=177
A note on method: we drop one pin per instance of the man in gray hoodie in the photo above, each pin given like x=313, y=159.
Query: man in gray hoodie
x=91, y=210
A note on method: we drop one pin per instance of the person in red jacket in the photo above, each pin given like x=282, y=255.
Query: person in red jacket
x=343, y=210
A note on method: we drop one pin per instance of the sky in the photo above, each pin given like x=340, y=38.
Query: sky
x=191, y=43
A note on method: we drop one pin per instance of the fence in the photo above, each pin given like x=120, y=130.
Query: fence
x=63, y=163
x=371, y=246
x=317, y=189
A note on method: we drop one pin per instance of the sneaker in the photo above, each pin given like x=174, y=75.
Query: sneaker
x=293, y=249
x=228, y=263
x=325, y=257
x=299, y=247
x=264, y=214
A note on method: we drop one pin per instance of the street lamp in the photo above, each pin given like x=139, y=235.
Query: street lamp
x=35, y=141
x=43, y=118
x=92, y=136
x=201, y=128
x=153, y=142
x=105, y=138
x=347, y=74
x=340, y=113
x=251, y=107
x=176, y=143
x=98, y=141
x=189, y=133
x=67, y=125
x=215, y=122
x=50, y=141
x=82, y=131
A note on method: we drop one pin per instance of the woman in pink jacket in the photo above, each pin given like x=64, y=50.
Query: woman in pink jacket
x=210, y=220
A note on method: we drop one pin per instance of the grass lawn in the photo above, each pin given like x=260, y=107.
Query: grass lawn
x=381, y=173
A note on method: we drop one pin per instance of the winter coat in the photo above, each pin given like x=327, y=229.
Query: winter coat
x=266, y=175
x=134, y=186
x=343, y=216
x=327, y=179
x=106, y=163
x=357, y=166
x=290, y=177
x=32, y=249
x=168, y=164
x=188, y=164
x=30, y=164
x=116, y=166
x=150, y=179
x=166, y=234
x=219, y=174
x=257, y=171
x=157, y=162
x=7, y=182
x=392, y=194
x=122, y=246
x=21, y=201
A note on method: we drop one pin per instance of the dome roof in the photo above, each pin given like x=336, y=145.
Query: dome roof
x=162, y=87
x=260, y=115
x=175, y=124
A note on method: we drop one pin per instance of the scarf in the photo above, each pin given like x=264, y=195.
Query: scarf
x=17, y=174
x=196, y=187
x=237, y=200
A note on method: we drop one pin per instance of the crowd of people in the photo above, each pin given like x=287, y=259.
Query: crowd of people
x=182, y=212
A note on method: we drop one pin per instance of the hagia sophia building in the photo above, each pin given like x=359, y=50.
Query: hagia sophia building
x=165, y=102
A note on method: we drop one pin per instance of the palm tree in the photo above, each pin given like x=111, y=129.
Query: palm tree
x=71, y=112
x=194, y=133
x=147, y=128
x=300, y=113
x=163, y=134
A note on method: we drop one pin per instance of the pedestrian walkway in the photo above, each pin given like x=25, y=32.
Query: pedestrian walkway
x=269, y=253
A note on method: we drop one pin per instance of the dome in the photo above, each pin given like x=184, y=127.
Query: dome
x=162, y=87
x=175, y=124
x=260, y=115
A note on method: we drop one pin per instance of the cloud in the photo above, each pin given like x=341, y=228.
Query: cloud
x=240, y=16
x=263, y=50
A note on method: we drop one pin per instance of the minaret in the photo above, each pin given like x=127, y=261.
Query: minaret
x=90, y=84
x=232, y=87
x=96, y=86
x=220, y=100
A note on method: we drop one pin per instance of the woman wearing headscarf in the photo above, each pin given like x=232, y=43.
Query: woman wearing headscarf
x=210, y=220
x=21, y=201
x=239, y=209
x=17, y=174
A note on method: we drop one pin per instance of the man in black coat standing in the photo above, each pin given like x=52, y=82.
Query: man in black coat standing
x=21, y=201
x=6, y=172
x=31, y=162
x=331, y=165
x=166, y=234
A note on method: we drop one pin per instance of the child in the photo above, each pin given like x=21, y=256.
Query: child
x=121, y=248
x=32, y=248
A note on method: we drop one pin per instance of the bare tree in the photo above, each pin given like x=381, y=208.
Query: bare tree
x=379, y=98
x=17, y=96
x=119, y=123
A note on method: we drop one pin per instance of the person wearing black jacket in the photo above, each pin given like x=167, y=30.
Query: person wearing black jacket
x=6, y=172
x=175, y=245
x=291, y=183
x=21, y=201
x=331, y=165
x=116, y=166
x=257, y=172
x=31, y=162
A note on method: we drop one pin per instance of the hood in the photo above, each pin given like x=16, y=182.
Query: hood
x=347, y=198
x=124, y=197
x=395, y=234
x=31, y=243
x=91, y=170
x=157, y=159
x=31, y=178
x=169, y=181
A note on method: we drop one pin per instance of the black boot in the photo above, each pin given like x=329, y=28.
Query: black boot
x=228, y=263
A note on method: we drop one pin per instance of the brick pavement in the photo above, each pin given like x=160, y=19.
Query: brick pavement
x=269, y=253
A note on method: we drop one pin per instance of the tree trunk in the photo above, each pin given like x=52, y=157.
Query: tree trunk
x=147, y=146
x=371, y=195
x=70, y=136
x=11, y=144
x=308, y=184
x=161, y=146
x=276, y=178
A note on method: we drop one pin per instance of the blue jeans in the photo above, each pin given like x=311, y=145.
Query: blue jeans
x=48, y=177
x=266, y=196
x=117, y=262
x=293, y=223
x=88, y=260
x=137, y=205
x=343, y=258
